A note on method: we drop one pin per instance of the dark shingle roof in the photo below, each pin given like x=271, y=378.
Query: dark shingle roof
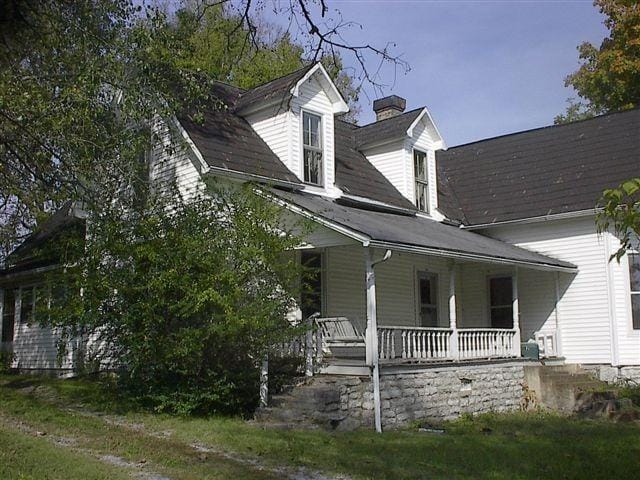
x=276, y=89
x=387, y=129
x=227, y=141
x=545, y=171
x=412, y=230
x=355, y=175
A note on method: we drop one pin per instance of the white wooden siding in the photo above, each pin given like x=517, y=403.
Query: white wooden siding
x=628, y=338
x=395, y=286
x=391, y=161
x=395, y=161
x=584, y=306
x=177, y=166
x=273, y=125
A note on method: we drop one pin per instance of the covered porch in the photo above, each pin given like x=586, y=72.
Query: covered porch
x=424, y=308
x=393, y=286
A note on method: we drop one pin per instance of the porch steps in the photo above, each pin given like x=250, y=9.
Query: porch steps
x=312, y=404
x=567, y=388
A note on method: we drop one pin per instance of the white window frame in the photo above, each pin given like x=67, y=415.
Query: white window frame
x=632, y=292
x=305, y=147
x=490, y=308
x=421, y=183
x=420, y=273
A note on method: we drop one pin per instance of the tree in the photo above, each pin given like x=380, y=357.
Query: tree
x=609, y=77
x=186, y=296
x=621, y=213
x=79, y=81
x=218, y=44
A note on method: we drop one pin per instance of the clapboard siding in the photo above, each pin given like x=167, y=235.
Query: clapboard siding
x=628, y=338
x=395, y=286
x=391, y=161
x=274, y=127
x=584, y=320
x=173, y=163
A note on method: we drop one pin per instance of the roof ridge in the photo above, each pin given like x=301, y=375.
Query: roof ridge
x=535, y=129
x=297, y=71
x=378, y=122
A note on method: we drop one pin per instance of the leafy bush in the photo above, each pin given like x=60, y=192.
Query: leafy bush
x=183, y=297
x=6, y=359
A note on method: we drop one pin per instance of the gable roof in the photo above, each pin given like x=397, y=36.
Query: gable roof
x=355, y=175
x=546, y=171
x=227, y=141
x=279, y=89
x=388, y=129
x=412, y=233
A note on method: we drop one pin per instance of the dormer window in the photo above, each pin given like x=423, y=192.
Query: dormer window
x=420, y=171
x=312, y=148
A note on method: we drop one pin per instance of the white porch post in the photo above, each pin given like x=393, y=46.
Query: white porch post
x=558, y=345
x=372, y=336
x=516, y=314
x=453, y=347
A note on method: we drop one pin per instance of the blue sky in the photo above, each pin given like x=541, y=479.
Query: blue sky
x=483, y=68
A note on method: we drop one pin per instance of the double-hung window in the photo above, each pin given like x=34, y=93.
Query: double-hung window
x=501, y=302
x=421, y=174
x=634, y=279
x=312, y=148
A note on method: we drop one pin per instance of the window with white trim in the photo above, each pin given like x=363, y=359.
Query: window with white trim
x=427, y=299
x=312, y=148
x=501, y=302
x=421, y=174
x=634, y=281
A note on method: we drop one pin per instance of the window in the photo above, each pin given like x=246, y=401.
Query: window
x=27, y=304
x=311, y=301
x=421, y=173
x=428, y=299
x=312, y=148
x=8, y=315
x=634, y=278
x=29, y=297
x=501, y=302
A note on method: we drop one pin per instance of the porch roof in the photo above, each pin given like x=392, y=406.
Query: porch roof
x=404, y=231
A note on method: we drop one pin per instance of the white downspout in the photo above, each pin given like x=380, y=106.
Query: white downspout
x=371, y=334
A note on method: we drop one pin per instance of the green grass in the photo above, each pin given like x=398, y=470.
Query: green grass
x=515, y=446
x=25, y=457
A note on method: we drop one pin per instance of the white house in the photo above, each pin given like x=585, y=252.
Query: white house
x=446, y=261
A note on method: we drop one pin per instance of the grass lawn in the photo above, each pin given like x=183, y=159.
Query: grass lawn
x=487, y=447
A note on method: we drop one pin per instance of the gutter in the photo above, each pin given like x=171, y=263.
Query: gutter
x=469, y=256
x=542, y=218
x=225, y=172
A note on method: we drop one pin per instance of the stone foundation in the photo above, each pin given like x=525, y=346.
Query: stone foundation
x=610, y=374
x=407, y=393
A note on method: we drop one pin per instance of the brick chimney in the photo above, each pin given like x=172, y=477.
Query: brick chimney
x=388, y=107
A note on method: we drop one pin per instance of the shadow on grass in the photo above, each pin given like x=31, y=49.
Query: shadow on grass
x=98, y=392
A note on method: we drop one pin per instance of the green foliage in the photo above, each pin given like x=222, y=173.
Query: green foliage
x=220, y=44
x=609, y=77
x=620, y=213
x=6, y=359
x=184, y=296
x=78, y=83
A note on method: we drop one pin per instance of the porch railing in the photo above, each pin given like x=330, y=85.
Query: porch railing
x=486, y=343
x=414, y=343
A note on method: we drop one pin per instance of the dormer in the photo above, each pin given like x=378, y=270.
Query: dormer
x=402, y=146
x=294, y=115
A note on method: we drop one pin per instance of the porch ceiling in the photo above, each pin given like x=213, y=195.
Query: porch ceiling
x=406, y=232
